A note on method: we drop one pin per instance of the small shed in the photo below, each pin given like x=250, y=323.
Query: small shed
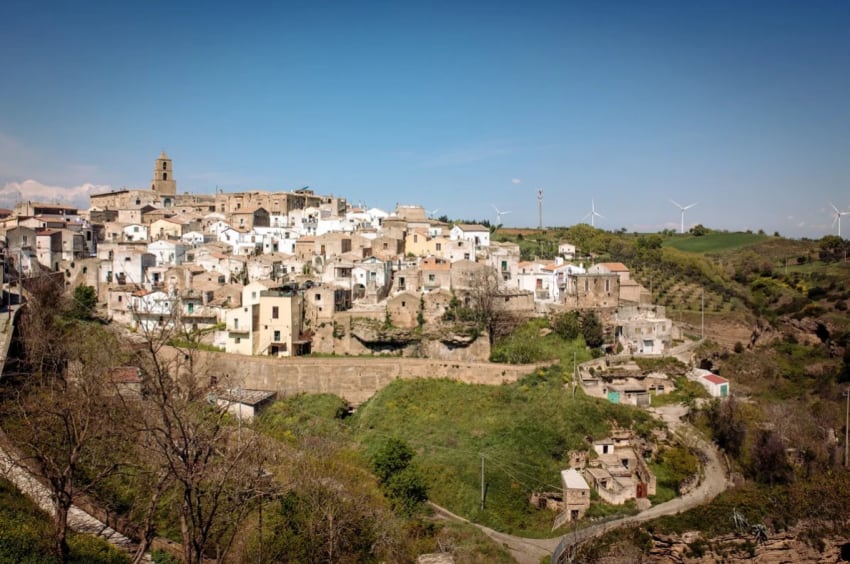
x=717, y=386
x=244, y=404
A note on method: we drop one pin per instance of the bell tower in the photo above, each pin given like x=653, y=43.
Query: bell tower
x=163, y=177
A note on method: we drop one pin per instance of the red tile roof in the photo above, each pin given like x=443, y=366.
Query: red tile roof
x=715, y=379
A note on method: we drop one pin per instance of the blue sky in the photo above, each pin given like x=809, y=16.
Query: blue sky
x=743, y=107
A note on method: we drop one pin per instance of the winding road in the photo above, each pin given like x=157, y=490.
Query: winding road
x=713, y=481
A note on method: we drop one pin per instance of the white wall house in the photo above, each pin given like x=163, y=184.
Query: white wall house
x=193, y=238
x=135, y=232
x=476, y=235
x=167, y=252
x=152, y=309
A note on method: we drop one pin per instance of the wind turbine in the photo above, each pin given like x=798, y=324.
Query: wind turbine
x=499, y=214
x=592, y=214
x=837, y=217
x=682, y=209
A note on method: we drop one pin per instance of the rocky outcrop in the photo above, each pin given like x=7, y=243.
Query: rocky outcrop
x=794, y=545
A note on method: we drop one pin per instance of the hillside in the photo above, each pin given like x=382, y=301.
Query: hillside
x=776, y=323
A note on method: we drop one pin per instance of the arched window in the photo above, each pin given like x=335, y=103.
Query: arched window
x=165, y=176
x=164, y=166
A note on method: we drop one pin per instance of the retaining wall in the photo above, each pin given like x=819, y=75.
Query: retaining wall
x=354, y=378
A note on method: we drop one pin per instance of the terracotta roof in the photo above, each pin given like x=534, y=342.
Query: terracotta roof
x=615, y=266
x=715, y=379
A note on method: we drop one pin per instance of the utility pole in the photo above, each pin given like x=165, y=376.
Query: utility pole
x=482, y=481
x=540, y=209
x=575, y=375
x=846, y=394
x=702, y=314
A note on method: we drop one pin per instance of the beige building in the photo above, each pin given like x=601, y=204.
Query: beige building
x=279, y=330
x=163, y=183
x=584, y=291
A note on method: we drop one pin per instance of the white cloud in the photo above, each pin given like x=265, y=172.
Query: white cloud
x=77, y=196
x=516, y=181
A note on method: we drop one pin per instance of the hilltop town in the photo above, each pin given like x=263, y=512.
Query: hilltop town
x=292, y=273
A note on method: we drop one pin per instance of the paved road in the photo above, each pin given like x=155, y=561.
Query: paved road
x=531, y=551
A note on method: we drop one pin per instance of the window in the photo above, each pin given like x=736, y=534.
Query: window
x=607, y=285
x=318, y=297
x=439, y=246
x=191, y=307
x=236, y=324
x=238, y=340
x=277, y=336
x=164, y=166
x=275, y=312
x=430, y=278
x=504, y=265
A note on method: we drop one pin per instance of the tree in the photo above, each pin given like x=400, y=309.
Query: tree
x=399, y=476
x=591, y=329
x=84, y=302
x=188, y=442
x=64, y=417
x=769, y=461
x=567, y=325
x=484, y=304
x=727, y=425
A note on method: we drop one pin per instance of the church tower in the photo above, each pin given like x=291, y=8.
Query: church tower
x=163, y=177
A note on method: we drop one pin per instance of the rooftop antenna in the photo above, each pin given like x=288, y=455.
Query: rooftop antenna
x=433, y=212
x=499, y=214
x=682, y=209
x=540, y=209
x=836, y=217
x=592, y=214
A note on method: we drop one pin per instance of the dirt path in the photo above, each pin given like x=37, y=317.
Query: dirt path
x=531, y=551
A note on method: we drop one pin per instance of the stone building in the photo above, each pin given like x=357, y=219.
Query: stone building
x=576, y=495
x=163, y=183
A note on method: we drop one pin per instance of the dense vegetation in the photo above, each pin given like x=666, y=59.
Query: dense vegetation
x=25, y=535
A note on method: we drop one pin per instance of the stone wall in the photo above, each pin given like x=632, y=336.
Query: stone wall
x=354, y=378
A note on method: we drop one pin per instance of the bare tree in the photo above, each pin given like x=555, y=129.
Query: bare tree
x=217, y=468
x=61, y=417
x=486, y=299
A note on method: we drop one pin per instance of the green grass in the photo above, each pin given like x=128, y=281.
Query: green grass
x=524, y=431
x=714, y=242
x=526, y=345
x=26, y=535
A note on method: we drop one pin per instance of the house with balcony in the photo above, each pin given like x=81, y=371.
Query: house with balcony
x=478, y=236
x=434, y=274
x=643, y=329
x=166, y=252
x=505, y=258
x=279, y=319
x=241, y=320
x=152, y=310
x=371, y=279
